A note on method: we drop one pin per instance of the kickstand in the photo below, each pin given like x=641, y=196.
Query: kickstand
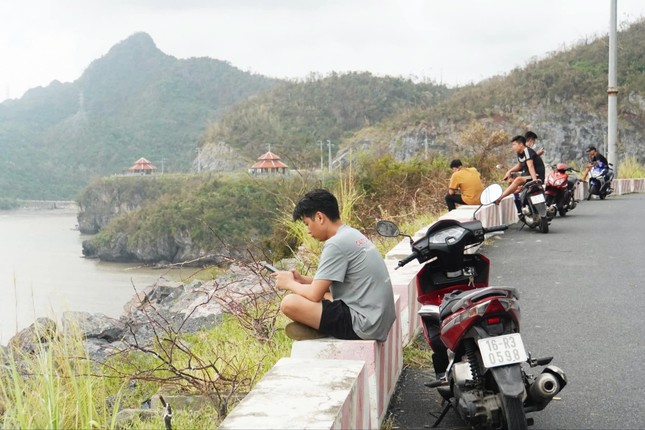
x=443, y=414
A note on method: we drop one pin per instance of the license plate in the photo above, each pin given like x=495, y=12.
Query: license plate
x=538, y=198
x=502, y=350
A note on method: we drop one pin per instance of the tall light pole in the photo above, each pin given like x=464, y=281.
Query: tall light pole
x=612, y=91
x=425, y=140
x=321, y=155
x=329, y=153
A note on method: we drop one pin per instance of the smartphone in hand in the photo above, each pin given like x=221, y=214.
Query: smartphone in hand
x=270, y=267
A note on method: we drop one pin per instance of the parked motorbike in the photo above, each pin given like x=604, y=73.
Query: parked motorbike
x=474, y=329
x=533, y=206
x=600, y=177
x=560, y=190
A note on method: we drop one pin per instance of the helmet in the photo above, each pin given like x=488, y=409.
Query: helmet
x=561, y=166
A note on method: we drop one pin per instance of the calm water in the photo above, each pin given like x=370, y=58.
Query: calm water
x=43, y=272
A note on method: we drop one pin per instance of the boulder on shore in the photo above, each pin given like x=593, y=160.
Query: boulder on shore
x=151, y=312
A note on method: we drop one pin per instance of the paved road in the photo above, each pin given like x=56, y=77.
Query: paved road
x=582, y=292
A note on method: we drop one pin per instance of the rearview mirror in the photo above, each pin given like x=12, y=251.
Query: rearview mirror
x=387, y=229
x=490, y=194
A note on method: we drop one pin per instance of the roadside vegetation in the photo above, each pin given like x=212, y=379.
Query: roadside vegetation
x=57, y=385
x=630, y=169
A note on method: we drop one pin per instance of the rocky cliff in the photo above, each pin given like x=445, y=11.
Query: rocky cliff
x=177, y=219
x=169, y=248
x=564, y=132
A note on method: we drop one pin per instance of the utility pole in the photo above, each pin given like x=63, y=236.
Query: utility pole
x=321, y=155
x=163, y=160
x=199, y=160
x=612, y=91
x=425, y=132
x=329, y=153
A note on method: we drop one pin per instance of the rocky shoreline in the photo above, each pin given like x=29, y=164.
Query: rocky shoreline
x=153, y=316
x=186, y=307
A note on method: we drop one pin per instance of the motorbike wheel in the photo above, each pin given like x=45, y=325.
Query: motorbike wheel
x=514, y=413
x=592, y=190
x=544, y=225
x=602, y=196
x=562, y=211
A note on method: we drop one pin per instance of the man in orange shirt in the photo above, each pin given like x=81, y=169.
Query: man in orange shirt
x=466, y=181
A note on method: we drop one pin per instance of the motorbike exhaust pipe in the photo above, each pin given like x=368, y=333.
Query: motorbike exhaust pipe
x=551, y=210
x=544, y=388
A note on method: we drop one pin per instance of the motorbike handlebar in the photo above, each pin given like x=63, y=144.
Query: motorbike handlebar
x=409, y=258
x=495, y=228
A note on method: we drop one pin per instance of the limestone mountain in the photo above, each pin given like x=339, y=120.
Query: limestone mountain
x=135, y=101
x=562, y=97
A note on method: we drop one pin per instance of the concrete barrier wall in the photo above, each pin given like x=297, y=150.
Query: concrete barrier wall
x=332, y=383
x=306, y=394
x=383, y=361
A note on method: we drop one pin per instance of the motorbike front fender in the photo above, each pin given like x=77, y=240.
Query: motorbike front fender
x=509, y=380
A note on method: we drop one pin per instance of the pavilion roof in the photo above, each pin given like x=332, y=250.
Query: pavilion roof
x=142, y=164
x=269, y=161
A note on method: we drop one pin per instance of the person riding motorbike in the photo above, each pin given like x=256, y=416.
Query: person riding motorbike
x=596, y=157
x=529, y=163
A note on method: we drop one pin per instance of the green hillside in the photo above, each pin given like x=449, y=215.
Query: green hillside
x=133, y=102
x=294, y=116
x=562, y=96
x=576, y=75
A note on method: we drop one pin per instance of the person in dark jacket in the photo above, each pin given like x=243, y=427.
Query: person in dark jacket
x=528, y=163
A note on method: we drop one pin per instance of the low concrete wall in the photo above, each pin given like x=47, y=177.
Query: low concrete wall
x=332, y=383
x=306, y=394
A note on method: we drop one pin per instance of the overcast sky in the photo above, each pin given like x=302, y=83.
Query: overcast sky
x=450, y=41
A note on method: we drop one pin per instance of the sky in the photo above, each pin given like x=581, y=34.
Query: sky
x=454, y=42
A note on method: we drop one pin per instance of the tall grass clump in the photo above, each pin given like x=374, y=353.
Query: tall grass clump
x=630, y=168
x=55, y=387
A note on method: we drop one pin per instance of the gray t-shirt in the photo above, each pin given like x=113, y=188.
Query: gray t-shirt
x=361, y=280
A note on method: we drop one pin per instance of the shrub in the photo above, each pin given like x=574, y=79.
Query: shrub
x=630, y=169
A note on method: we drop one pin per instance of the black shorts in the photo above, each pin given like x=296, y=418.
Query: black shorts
x=336, y=320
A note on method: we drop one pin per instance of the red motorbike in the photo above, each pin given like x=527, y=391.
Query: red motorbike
x=560, y=190
x=474, y=329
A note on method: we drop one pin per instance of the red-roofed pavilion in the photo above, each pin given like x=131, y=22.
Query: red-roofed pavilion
x=142, y=167
x=269, y=163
